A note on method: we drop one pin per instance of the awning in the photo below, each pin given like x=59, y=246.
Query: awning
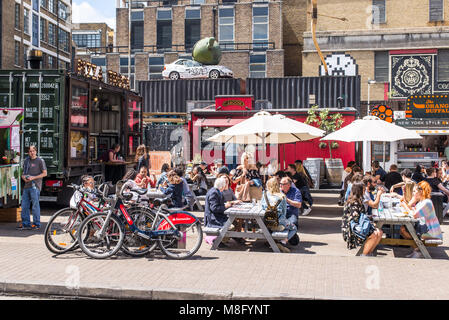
x=217, y=122
x=433, y=131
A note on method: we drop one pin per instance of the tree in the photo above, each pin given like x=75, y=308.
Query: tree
x=325, y=121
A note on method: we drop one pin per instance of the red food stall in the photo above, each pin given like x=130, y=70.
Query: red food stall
x=208, y=121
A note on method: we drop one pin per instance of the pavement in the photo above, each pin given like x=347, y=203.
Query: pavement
x=320, y=267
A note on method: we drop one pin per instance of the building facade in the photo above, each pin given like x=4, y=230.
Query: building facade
x=37, y=24
x=398, y=48
x=92, y=36
x=249, y=33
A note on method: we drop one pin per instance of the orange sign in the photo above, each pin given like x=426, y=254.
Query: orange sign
x=383, y=112
x=428, y=106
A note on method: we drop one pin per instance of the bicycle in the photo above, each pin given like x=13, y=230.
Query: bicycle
x=173, y=230
x=60, y=232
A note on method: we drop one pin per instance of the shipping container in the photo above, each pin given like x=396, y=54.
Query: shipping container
x=72, y=120
x=303, y=92
x=172, y=95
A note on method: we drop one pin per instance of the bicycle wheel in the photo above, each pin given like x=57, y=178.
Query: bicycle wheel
x=60, y=232
x=187, y=238
x=133, y=244
x=95, y=245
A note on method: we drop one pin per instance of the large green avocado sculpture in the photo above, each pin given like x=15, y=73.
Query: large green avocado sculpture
x=207, y=51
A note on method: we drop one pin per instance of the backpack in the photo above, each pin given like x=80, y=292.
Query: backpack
x=271, y=218
x=363, y=228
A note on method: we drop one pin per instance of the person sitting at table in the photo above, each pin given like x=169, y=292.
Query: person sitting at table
x=279, y=175
x=371, y=201
x=435, y=183
x=406, y=176
x=425, y=211
x=418, y=175
x=215, y=207
x=187, y=194
x=274, y=194
x=294, y=203
x=215, y=168
x=348, y=180
x=199, y=180
x=163, y=177
x=203, y=166
x=246, y=175
x=142, y=157
x=143, y=179
x=357, y=177
x=392, y=178
x=352, y=210
x=378, y=172
x=228, y=194
x=174, y=189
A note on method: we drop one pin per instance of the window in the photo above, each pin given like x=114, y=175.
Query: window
x=257, y=65
x=51, y=62
x=443, y=65
x=43, y=33
x=79, y=110
x=164, y=30
x=44, y=60
x=134, y=125
x=156, y=66
x=260, y=25
x=226, y=27
x=17, y=16
x=381, y=66
x=124, y=70
x=101, y=62
x=17, y=53
x=51, y=6
x=36, y=5
x=197, y=1
x=137, y=18
x=44, y=3
x=35, y=36
x=192, y=27
x=63, y=11
x=52, y=34
x=63, y=40
x=379, y=12
x=87, y=40
x=25, y=56
x=436, y=10
x=26, y=21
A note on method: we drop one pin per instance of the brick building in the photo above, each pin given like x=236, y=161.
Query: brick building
x=92, y=36
x=36, y=24
x=400, y=48
x=250, y=34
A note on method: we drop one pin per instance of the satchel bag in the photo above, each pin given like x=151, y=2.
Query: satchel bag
x=271, y=218
x=363, y=228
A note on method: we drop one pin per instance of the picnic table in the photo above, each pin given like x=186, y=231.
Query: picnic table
x=392, y=213
x=153, y=193
x=247, y=211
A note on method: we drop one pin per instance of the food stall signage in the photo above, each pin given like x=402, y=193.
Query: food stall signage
x=89, y=70
x=427, y=106
x=239, y=103
x=118, y=80
x=383, y=112
x=423, y=123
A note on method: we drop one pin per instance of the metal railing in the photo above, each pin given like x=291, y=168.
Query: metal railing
x=178, y=48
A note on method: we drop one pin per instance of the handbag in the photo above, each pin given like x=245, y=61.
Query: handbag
x=271, y=218
x=363, y=228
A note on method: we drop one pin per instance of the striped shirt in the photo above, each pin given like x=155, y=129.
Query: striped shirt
x=425, y=210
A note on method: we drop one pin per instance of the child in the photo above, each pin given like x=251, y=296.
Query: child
x=142, y=179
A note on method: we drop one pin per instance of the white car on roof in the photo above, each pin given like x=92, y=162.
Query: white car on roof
x=189, y=69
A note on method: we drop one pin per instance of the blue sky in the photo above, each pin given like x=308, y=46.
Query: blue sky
x=94, y=11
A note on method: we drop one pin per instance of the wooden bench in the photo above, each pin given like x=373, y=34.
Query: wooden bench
x=216, y=231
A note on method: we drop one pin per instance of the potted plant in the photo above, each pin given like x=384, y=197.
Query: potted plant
x=328, y=123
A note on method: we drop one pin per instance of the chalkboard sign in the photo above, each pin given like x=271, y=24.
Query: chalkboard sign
x=314, y=168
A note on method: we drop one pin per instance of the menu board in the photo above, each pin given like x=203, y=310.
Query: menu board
x=314, y=168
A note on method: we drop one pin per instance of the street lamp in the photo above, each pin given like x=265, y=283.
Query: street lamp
x=370, y=82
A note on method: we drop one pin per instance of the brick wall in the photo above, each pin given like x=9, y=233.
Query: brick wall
x=207, y=22
x=113, y=62
x=243, y=23
x=150, y=23
x=178, y=27
x=275, y=63
x=122, y=27
x=237, y=61
x=141, y=66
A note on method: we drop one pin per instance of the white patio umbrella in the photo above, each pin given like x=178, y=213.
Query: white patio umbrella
x=372, y=128
x=264, y=128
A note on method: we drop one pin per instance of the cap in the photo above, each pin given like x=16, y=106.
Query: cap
x=223, y=169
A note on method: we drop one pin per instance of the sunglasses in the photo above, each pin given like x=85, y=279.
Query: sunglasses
x=284, y=184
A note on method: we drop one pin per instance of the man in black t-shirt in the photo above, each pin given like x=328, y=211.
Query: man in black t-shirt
x=378, y=172
x=434, y=182
x=393, y=177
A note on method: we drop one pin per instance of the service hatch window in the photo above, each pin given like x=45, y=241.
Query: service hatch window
x=78, y=144
x=79, y=107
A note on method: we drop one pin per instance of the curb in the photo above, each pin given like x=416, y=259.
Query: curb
x=116, y=293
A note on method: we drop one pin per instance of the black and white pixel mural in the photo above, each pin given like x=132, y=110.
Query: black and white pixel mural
x=339, y=64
